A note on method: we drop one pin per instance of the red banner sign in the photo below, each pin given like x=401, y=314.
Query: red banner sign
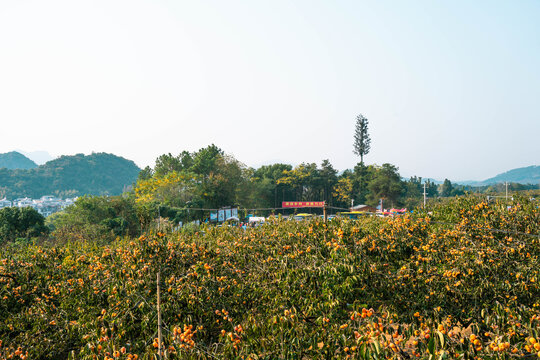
x=297, y=204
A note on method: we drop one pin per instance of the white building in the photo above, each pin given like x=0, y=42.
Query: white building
x=23, y=202
x=5, y=203
x=46, y=205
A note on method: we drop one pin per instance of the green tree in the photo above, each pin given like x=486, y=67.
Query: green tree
x=301, y=180
x=328, y=179
x=446, y=188
x=204, y=160
x=362, y=141
x=413, y=192
x=21, y=223
x=224, y=182
x=146, y=173
x=172, y=189
x=413, y=187
x=207, y=178
x=343, y=191
x=167, y=163
x=431, y=189
x=98, y=216
x=386, y=184
x=362, y=176
x=264, y=189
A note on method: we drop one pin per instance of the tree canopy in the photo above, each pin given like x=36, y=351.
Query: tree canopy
x=210, y=178
x=21, y=223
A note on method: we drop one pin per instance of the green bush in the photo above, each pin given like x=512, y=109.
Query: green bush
x=375, y=288
x=21, y=223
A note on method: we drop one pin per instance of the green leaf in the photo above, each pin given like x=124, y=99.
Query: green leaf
x=431, y=345
x=441, y=338
x=377, y=346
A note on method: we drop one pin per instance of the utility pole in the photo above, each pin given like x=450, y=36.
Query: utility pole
x=506, y=183
x=425, y=195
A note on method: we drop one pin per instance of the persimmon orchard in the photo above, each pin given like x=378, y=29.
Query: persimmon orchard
x=461, y=282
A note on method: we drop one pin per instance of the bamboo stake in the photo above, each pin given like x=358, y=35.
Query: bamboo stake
x=160, y=335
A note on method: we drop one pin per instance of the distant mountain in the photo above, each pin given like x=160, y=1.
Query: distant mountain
x=39, y=157
x=69, y=176
x=16, y=160
x=524, y=175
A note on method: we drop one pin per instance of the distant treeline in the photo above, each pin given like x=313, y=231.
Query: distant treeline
x=179, y=185
x=499, y=188
x=209, y=178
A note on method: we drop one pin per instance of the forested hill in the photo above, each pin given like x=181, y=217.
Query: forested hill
x=16, y=160
x=524, y=175
x=69, y=176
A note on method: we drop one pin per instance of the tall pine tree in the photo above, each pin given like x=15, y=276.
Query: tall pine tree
x=362, y=141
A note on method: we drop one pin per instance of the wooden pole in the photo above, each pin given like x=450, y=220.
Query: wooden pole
x=325, y=213
x=425, y=195
x=160, y=335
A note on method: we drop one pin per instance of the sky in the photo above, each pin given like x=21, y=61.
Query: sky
x=450, y=88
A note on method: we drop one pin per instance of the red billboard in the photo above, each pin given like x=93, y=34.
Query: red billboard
x=297, y=204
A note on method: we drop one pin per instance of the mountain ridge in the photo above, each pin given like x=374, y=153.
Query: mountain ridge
x=70, y=176
x=15, y=160
x=523, y=175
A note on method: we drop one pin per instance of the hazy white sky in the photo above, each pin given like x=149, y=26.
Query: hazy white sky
x=451, y=88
